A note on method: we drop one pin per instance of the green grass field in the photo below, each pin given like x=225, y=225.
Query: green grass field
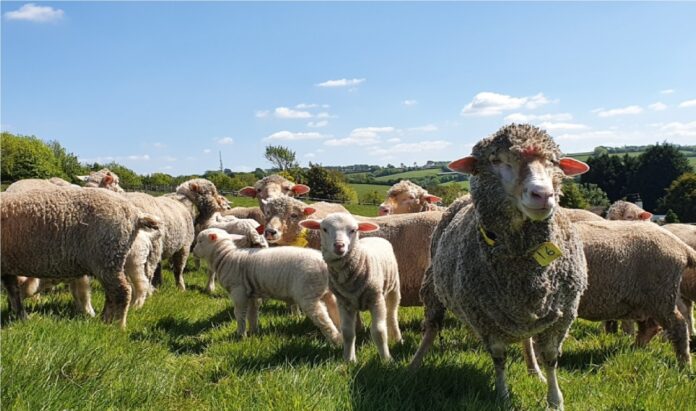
x=179, y=353
x=411, y=174
x=358, y=209
x=361, y=189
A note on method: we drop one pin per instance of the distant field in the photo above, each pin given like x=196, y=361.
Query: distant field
x=359, y=209
x=368, y=188
x=462, y=184
x=585, y=156
x=411, y=174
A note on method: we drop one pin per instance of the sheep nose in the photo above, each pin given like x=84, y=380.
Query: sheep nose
x=339, y=248
x=271, y=231
x=384, y=210
x=541, y=196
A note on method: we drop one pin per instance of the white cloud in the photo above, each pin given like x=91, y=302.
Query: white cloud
x=170, y=159
x=310, y=155
x=679, y=129
x=364, y=136
x=37, y=14
x=491, y=104
x=596, y=110
x=409, y=102
x=530, y=118
x=225, y=140
x=620, y=111
x=318, y=124
x=341, y=82
x=687, y=103
x=143, y=157
x=305, y=106
x=562, y=126
x=207, y=151
x=667, y=91
x=658, y=106
x=428, y=145
x=261, y=113
x=394, y=140
x=284, y=112
x=159, y=145
x=290, y=136
x=323, y=114
x=426, y=128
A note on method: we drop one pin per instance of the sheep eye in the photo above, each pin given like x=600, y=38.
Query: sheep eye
x=353, y=231
x=293, y=215
x=495, y=161
x=323, y=229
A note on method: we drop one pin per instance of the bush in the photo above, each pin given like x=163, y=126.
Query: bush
x=594, y=195
x=681, y=197
x=448, y=193
x=671, y=217
x=572, y=196
x=27, y=157
x=373, y=198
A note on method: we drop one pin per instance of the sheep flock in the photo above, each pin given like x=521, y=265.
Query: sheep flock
x=507, y=260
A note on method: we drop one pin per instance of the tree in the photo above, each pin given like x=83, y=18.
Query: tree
x=68, y=162
x=158, y=180
x=610, y=173
x=128, y=179
x=658, y=166
x=681, y=198
x=222, y=181
x=281, y=157
x=27, y=157
x=594, y=195
x=329, y=184
x=671, y=217
x=572, y=196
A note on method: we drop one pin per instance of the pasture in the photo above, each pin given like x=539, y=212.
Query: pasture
x=179, y=352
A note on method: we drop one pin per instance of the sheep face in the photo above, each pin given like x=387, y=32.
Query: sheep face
x=274, y=186
x=339, y=233
x=283, y=216
x=208, y=239
x=623, y=210
x=223, y=202
x=406, y=197
x=103, y=178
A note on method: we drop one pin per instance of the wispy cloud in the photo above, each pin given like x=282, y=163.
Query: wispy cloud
x=341, y=83
x=409, y=103
x=426, y=128
x=550, y=126
x=36, y=14
x=421, y=146
x=491, y=104
x=290, y=136
x=629, y=110
x=680, y=129
x=687, y=103
x=658, y=106
x=288, y=113
x=262, y=113
x=318, y=124
x=207, y=151
x=394, y=140
x=530, y=118
x=305, y=106
x=159, y=145
x=667, y=91
x=225, y=140
x=139, y=157
x=364, y=136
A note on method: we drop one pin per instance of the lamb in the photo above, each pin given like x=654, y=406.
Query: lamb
x=407, y=197
x=508, y=265
x=66, y=233
x=363, y=275
x=409, y=235
x=103, y=178
x=298, y=275
x=623, y=210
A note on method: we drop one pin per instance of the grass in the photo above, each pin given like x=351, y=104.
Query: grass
x=363, y=189
x=411, y=174
x=179, y=352
x=358, y=209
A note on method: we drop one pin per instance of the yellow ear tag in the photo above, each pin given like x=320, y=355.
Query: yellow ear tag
x=486, y=238
x=546, y=253
x=301, y=240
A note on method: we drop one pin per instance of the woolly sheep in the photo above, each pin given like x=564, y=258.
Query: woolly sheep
x=508, y=265
x=298, y=275
x=203, y=195
x=409, y=235
x=67, y=233
x=363, y=275
x=36, y=183
x=687, y=289
x=273, y=186
x=254, y=213
x=575, y=215
x=103, y=178
x=623, y=210
x=406, y=197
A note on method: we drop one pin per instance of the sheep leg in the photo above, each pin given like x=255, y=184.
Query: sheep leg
x=118, y=295
x=611, y=327
x=14, y=296
x=240, y=300
x=348, y=330
x=686, y=308
x=498, y=354
x=530, y=359
x=378, y=327
x=392, y=302
x=318, y=314
x=628, y=327
x=178, y=261
x=135, y=271
x=549, y=345
x=157, y=276
x=82, y=295
x=253, y=315
x=646, y=331
x=330, y=301
x=29, y=287
x=434, y=318
x=211, y=280
x=675, y=328
x=295, y=310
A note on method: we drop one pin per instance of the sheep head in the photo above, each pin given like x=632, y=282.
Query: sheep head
x=274, y=186
x=283, y=215
x=406, y=197
x=338, y=233
x=623, y=210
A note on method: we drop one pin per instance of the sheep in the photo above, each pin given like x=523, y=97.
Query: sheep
x=363, y=275
x=407, y=197
x=687, y=289
x=36, y=183
x=203, y=195
x=103, y=178
x=576, y=214
x=298, y=275
x=254, y=213
x=509, y=265
x=623, y=210
x=66, y=233
x=273, y=186
x=409, y=235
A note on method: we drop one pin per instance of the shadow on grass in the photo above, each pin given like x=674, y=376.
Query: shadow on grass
x=51, y=307
x=589, y=359
x=183, y=336
x=296, y=351
x=386, y=386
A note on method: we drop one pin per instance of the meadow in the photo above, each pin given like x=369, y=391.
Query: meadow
x=179, y=352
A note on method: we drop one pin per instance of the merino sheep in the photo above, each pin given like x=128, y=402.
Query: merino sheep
x=37, y=183
x=273, y=186
x=203, y=195
x=103, y=178
x=508, y=265
x=687, y=289
x=363, y=275
x=406, y=197
x=67, y=233
x=623, y=210
x=409, y=235
x=254, y=213
x=576, y=214
x=297, y=275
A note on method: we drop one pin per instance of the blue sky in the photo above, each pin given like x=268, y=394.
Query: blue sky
x=163, y=86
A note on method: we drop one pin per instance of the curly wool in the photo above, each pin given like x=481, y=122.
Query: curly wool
x=621, y=209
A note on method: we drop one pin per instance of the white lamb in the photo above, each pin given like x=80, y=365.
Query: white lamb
x=284, y=273
x=364, y=275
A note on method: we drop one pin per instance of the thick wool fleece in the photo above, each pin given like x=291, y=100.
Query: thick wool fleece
x=203, y=194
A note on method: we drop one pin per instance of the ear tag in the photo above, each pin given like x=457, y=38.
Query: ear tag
x=301, y=240
x=487, y=236
x=546, y=253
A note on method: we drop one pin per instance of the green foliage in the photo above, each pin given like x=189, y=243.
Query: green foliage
x=658, y=166
x=681, y=198
x=158, y=180
x=610, y=173
x=671, y=217
x=329, y=184
x=68, y=162
x=371, y=197
x=222, y=181
x=241, y=180
x=572, y=196
x=129, y=180
x=448, y=192
x=594, y=195
x=281, y=157
x=27, y=157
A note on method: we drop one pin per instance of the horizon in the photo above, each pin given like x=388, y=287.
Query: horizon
x=162, y=87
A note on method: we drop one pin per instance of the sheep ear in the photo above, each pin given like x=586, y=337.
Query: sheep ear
x=260, y=229
x=466, y=165
x=367, y=227
x=309, y=210
x=432, y=199
x=572, y=167
x=248, y=192
x=194, y=187
x=212, y=237
x=645, y=215
x=311, y=224
x=300, y=189
x=108, y=179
